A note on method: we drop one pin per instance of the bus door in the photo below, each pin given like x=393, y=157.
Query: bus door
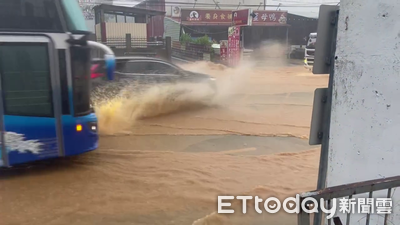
x=30, y=118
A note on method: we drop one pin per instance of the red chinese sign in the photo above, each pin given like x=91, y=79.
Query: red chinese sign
x=233, y=45
x=206, y=16
x=263, y=17
x=241, y=17
x=223, y=50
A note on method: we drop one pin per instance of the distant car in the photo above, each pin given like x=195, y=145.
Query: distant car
x=147, y=71
x=310, y=51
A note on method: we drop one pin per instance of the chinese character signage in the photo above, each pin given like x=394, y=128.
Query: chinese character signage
x=206, y=16
x=226, y=17
x=241, y=17
x=233, y=45
x=269, y=17
x=223, y=50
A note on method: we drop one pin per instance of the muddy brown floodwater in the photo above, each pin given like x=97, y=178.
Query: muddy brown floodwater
x=163, y=162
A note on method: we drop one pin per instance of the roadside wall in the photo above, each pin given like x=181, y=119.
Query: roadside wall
x=365, y=120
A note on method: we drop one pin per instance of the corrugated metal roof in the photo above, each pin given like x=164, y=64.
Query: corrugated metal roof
x=126, y=3
x=313, y=15
x=172, y=29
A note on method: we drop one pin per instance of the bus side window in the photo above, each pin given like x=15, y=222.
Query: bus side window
x=80, y=65
x=26, y=81
x=63, y=82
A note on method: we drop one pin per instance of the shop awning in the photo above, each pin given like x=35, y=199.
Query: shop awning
x=219, y=17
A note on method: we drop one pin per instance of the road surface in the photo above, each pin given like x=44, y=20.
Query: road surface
x=164, y=163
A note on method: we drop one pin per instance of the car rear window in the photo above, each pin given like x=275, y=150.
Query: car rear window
x=120, y=66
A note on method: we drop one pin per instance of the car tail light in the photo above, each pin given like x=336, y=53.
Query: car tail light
x=94, y=67
x=96, y=75
x=93, y=72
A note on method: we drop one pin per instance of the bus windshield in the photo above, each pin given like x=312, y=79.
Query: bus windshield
x=41, y=16
x=29, y=15
x=74, y=16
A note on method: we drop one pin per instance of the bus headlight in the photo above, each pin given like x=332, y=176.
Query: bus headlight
x=92, y=126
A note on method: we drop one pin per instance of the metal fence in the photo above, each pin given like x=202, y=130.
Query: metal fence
x=132, y=43
x=192, y=52
x=348, y=190
x=133, y=46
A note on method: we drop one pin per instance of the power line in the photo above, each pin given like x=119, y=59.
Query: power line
x=203, y=32
x=140, y=1
x=302, y=2
x=208, y=4
x=222, y=5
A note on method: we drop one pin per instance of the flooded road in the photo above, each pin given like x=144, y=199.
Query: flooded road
x=161, y=163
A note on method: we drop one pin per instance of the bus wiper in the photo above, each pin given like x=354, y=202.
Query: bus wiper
x=82, y=41
x=80, y=32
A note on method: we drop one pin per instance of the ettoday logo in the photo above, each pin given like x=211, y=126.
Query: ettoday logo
x=273, y=205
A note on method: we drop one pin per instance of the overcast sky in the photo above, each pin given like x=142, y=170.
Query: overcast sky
x=311, y=8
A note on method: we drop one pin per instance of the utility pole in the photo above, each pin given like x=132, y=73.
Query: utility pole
x=216, y=4
x=265, y=4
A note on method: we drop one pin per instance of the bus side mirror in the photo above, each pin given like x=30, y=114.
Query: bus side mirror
x=110, y=66
x=109, y=58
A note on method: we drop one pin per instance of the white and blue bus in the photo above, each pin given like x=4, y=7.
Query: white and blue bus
x=45, y=62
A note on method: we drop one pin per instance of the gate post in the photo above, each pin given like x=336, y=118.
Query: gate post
x=168, y=48
x=128, y=42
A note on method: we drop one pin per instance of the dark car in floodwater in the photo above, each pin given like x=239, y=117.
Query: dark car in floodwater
x=146, y=71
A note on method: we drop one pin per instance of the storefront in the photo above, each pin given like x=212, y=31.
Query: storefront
x=200, y=22
x=266, y=25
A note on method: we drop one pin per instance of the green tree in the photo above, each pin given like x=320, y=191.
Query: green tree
x=186, y=38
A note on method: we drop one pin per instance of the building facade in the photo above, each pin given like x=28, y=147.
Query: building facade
x=306, y=8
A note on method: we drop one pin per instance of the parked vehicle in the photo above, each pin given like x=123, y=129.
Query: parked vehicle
x=145, y=71
x=309, y=51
